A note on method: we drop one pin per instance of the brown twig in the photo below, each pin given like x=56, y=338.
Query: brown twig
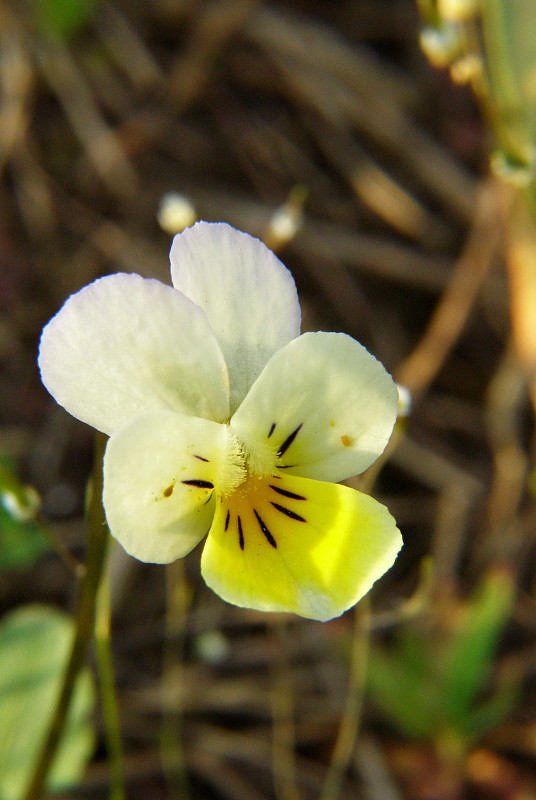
x=451, y=314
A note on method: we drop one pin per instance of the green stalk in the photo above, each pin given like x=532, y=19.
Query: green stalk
x=110, y=707
x=508, y=60
x=85, y=621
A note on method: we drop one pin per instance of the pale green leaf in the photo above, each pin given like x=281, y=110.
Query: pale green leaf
x=402, y=684
x=34, y=646
x=470, y=654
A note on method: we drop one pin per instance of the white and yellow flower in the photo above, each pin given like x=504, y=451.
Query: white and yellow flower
x=224, y=420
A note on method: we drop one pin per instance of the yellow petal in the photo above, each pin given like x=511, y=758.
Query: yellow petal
x=294, y=544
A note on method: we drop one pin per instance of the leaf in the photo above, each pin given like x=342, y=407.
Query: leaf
x=63, y=18
x=489, y=713
x=402, y=684
x=34, y=646
x=508, y=61
x=469, y=655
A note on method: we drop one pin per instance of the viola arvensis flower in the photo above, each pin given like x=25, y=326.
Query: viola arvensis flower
x=224, y=420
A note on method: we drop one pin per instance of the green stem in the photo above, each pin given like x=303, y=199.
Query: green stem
x=110, y=707
x=85, y=619
x=346, y=738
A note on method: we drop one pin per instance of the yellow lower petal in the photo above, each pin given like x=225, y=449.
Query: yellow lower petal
x=294, y=544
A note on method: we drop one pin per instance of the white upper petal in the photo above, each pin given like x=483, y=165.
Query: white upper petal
x=247, y=294
x=326, y=402
x=158, y=474
x=124, y=345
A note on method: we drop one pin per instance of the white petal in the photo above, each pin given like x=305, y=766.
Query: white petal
x=324, y=403
x=124, y=345
x=247, y=294
x=152, y=507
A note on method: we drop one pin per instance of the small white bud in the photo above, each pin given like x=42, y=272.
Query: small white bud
x=286, y=220
x=212, y=647
x=284, y=224
x=442, y=46
x=175, y=213
x=404, y=401
x=21, y=506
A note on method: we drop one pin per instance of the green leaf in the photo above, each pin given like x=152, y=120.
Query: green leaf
x=402, y=685
x=63, y=18
x=489, y=713
x=508, y=50
x=469, y=655
x=34, y=647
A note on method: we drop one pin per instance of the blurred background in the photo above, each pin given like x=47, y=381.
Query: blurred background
x=323, y=128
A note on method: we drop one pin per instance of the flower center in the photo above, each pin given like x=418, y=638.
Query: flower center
x=263, y=510
x=241, y=460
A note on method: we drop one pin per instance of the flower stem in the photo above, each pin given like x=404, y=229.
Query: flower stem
x=112, y=730
x=347, y=735
x=85, y=618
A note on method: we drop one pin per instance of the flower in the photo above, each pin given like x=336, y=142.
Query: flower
x=224, y=420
